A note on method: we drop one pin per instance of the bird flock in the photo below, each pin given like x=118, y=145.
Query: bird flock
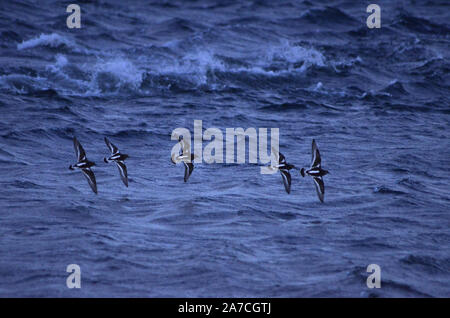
x=85, y=165
x=315, y=170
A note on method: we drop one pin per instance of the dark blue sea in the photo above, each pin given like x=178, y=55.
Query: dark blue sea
x=377, y=102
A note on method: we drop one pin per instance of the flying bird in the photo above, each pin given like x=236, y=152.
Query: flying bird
x=184, y=156
x=316, y=172
x=283, y=167
x=119, y=159
x=84, y=165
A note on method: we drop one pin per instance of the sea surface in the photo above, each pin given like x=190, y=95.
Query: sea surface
x=377, y=101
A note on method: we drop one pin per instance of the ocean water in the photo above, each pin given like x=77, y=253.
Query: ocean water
x=375, y=100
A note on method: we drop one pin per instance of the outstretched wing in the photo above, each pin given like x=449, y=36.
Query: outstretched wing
x=89, y=174
x=286, y=180
x=114, y=150
x=79, y=151
x=315, y=160
x=123, y=172
x=320, y=187
x=188, y=168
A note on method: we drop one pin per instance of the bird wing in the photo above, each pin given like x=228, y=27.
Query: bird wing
x=79, y=151
x=320, y=187
x=188, y=168
x=286, y=180
x=114, y=150
x=123, y=172
x=89, y=174
x=315, y=160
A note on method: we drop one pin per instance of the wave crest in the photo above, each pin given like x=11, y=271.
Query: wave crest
x=52, y=40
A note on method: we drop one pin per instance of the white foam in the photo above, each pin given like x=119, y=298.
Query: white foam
x=296, y=54
x=201, y=63
x=318, y=86
x=60, y=62
x=121, y=68
x=287, y=52
x=51, y=40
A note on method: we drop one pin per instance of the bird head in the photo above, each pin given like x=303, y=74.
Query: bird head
x=302, y=172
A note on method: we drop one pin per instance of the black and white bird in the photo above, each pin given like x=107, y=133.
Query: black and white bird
x=284, y=168
x=183, y=156
x=84, y=165
x=119, y=159
x=316, y=171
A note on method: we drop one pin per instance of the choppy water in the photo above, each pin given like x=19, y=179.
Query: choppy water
x=376, y=101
